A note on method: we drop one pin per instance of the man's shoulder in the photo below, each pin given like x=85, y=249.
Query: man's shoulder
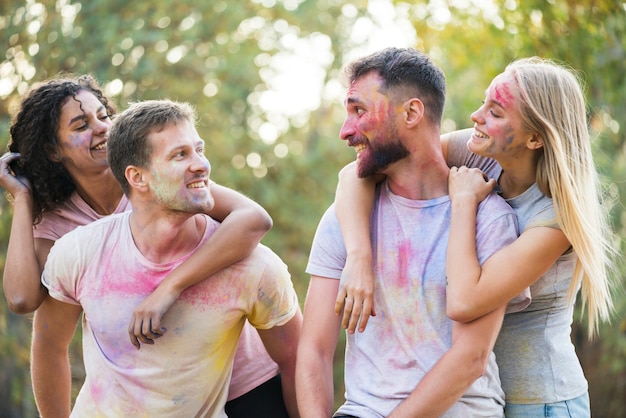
x=108, y=222
x=494, y=203
x=495, y=209
x=96, y=230
x=264, y=255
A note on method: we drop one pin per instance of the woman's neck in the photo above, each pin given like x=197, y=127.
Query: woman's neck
x=513, y=184
x=103, y=195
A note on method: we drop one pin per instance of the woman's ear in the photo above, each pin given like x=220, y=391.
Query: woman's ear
x=535, y=142
x=53, y=154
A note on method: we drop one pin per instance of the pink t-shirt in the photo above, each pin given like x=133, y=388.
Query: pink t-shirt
x=252, y=366
x=70, y=214
x=109, y=276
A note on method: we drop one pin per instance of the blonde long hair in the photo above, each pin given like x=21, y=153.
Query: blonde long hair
x=553, y=107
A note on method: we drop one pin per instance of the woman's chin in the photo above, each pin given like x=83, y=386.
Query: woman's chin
x=472, y=145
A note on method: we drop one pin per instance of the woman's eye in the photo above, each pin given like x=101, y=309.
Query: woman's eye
x=105, y=117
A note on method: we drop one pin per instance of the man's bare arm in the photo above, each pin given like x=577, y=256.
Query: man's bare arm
x=316, y=350
x=281, y=343
x=53, y=327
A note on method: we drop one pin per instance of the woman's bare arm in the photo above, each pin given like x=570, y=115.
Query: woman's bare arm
x=354, y=202
x=24, y=261
x=474, y=291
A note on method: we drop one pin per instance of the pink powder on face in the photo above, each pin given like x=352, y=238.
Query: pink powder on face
x=503, y=95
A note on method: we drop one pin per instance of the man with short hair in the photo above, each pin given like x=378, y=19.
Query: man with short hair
x=411, y=360
x=106, y=268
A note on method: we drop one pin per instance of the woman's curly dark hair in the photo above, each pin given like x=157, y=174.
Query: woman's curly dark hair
x=34, y=134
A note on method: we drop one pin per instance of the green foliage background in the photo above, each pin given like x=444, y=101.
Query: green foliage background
x=218, y=56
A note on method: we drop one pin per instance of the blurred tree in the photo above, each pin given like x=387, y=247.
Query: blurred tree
x=231, y=60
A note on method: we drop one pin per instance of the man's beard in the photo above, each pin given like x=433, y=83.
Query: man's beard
x=379, y=156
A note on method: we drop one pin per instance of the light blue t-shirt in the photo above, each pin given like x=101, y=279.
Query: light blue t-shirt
x=411, y=331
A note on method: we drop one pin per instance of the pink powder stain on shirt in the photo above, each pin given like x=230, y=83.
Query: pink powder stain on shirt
x=217, y=290
x=98, y=392
x=404, y=256
x=127, y=284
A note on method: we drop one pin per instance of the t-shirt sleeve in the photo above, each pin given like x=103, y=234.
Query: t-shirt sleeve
x=543, y=218
x=53, y=227
x=457, y=147
x=328, y=252
x=496, y=228
x=458, y=154
x=277, y=301
x=57, y=275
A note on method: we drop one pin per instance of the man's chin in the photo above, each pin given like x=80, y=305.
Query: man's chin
x=361, y=169
x=364, y=170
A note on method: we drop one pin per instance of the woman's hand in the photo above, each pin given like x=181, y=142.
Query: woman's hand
x=8, y=180
x=356, y=295
x=469, y=184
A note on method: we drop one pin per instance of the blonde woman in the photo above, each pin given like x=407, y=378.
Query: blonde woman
x=531, y=140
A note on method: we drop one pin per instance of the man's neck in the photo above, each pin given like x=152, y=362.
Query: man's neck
x=419, y=177
x=162, y=238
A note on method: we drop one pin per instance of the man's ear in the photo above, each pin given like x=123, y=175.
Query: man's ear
x=535, y=142
x=413, y=112
x=135, y=177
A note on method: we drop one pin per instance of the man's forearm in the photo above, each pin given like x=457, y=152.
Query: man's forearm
x=53, y=327
x=289, y=394
x=51, y=377
x=316, y=349
x=314, y=388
